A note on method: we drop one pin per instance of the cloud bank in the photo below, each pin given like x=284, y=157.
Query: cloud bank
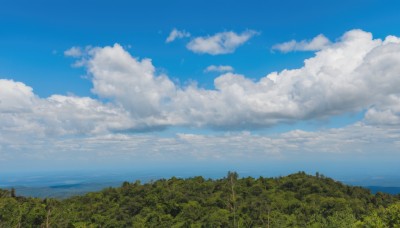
x=356, y=73
x=352, y=142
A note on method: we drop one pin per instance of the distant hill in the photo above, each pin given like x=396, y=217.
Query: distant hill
x=62, y=191
x=296, y=200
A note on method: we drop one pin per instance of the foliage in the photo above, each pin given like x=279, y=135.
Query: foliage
x=297, y=200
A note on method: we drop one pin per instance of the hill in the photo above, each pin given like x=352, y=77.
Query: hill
x=297, y=200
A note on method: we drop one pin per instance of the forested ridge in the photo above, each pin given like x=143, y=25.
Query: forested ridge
x=297, y=200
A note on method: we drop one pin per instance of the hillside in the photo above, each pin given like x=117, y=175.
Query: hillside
x=297, y=200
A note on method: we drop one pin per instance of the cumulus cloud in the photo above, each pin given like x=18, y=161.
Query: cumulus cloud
x=132, y=84
x=387, y=112
x=220, y=68
x=176, y=34
x=317, y=43
x=356, y=73
x=21, y=111
x=15, y=97
x=353, y=74
x=220, y=43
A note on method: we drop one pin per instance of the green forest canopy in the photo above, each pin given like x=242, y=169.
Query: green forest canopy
x=297, y=200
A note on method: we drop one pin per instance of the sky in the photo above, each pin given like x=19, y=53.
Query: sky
x=238, y=85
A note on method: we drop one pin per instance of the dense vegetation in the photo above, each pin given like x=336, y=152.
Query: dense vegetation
x=297, y=200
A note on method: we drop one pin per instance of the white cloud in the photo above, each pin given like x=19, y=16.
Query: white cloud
x=219, y=43
x=15, y=97
x=132, y=84
x=22, y=112
x=387, y=112
x=220, y=68
x=73, y=52
x=355, y=73
x=176, y=34
x=317, y=43
x=353, y=142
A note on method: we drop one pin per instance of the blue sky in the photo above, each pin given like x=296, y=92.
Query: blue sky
x=96, y=84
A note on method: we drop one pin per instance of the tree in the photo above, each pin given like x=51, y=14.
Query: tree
x=13, y=195
x=232, y=178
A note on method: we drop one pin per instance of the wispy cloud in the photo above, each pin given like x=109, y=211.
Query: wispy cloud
x=220, y=68
x=176, y=34
x=348, y=142
x=220, y=43
x=73, y=52
x=317, y=43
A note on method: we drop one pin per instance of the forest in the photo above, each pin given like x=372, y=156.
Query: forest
x=296, y=200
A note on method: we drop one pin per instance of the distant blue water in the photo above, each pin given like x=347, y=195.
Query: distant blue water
x=390, y=190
